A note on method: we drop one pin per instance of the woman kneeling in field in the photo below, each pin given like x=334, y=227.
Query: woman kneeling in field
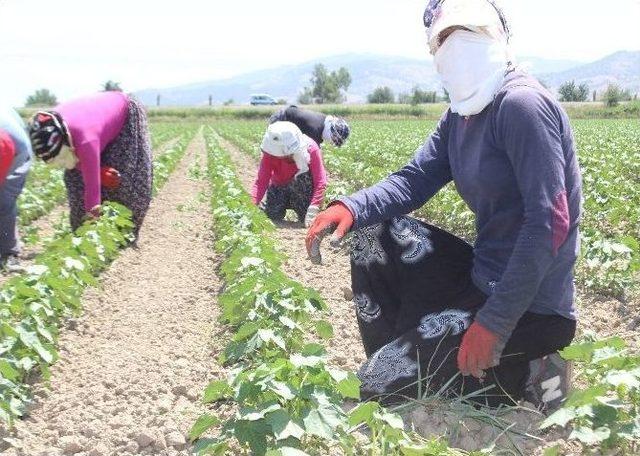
x=291, y=173
x=316, y=125
x=430, y=306
x=103, y=143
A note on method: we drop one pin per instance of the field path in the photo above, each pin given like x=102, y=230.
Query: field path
x=332, y=279
x=133, y=367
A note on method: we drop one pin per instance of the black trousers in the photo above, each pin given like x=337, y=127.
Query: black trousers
x=295, y=195
x=415, y=299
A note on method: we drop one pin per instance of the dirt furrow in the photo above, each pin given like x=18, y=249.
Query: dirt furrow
x=332, y=278
x=133, y=367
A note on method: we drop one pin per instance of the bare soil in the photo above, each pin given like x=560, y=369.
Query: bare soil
x=133, y=367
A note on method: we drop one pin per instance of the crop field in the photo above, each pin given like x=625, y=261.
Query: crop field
x=216, y=335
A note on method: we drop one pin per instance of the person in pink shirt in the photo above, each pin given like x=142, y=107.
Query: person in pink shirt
x=291, y=173
x=102, y=141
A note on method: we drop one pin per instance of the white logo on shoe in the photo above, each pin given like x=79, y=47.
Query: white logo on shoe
x=551, y=389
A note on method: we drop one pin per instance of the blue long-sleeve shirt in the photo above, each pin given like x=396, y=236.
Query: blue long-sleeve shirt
x=515, y=166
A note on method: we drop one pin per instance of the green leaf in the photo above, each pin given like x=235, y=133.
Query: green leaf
x=245, y=331
x=31, y=340
x=350, y=387
x=321, y=422
x=288, y=322
x=585, y=397
x=257, y=413
x=247, y=262
x=7, y=370
x=590, y=436
x=202, y=425
x=363, y=413
x=72, y=263
x=282, y=389
x=559, y=418
x=286, y=451
x=307, y=361
x=627, y=379
x=254, y=434
x=283, y=426
x=217, y=390
x=324, y=329
x=211, y=447
x=553, y=451
x=392, y=419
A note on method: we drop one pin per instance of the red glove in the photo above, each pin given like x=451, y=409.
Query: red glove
x=478, y=351
x=7, y=153
x=109, y=177
x=336, y=216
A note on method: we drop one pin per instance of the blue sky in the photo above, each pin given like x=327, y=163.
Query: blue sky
x=72, y=46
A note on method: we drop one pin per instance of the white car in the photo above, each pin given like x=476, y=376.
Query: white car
x=262, y=99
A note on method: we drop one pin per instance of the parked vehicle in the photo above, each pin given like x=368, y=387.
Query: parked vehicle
x=262, y=99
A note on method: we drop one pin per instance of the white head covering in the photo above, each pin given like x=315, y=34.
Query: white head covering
x=478, y=15
x=283, y=139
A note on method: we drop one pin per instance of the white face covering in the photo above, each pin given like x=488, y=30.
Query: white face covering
x=66, y=159
x=472, y=67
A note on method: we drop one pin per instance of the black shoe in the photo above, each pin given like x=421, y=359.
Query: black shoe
x=549, y=382
x=10, y=263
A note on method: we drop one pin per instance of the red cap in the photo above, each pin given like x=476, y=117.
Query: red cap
x=6, y=144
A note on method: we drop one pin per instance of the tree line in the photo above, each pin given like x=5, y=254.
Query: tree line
x=331, y=87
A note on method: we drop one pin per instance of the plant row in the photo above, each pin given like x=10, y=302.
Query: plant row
x=604, y=410
x=287, y=399
x=33, y=305
x=610, y=163
x=45, y=187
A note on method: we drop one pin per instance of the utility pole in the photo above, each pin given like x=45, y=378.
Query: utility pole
x=210, y=100
x=158, y=100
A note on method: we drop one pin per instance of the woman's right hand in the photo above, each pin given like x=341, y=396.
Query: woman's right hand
x=336, y=217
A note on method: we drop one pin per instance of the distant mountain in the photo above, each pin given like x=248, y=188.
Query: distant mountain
x=621, y=68
x=369, y=71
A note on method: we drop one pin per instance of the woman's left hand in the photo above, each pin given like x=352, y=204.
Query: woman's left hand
x=478, y=351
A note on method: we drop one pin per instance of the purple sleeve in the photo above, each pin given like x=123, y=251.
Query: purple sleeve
x=89, y=155
x=532, y=129
x=407, y=189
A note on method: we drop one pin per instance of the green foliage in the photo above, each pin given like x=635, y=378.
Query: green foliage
x=608, y=156
x=419, y=96
x=326, y=87
x=605, y=412
x=381, y=95
x=288, y=399
x=615, y=94
x=111, y=86
x=43, y=191
x=41, y=98
x=569, y=91
x=33, y=305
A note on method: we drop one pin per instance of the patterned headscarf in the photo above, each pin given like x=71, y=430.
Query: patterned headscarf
x=48, y=134
x=339, y=130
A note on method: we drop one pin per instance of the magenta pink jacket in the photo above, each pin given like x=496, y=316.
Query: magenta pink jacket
x=280, y=171
x=94, y=122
